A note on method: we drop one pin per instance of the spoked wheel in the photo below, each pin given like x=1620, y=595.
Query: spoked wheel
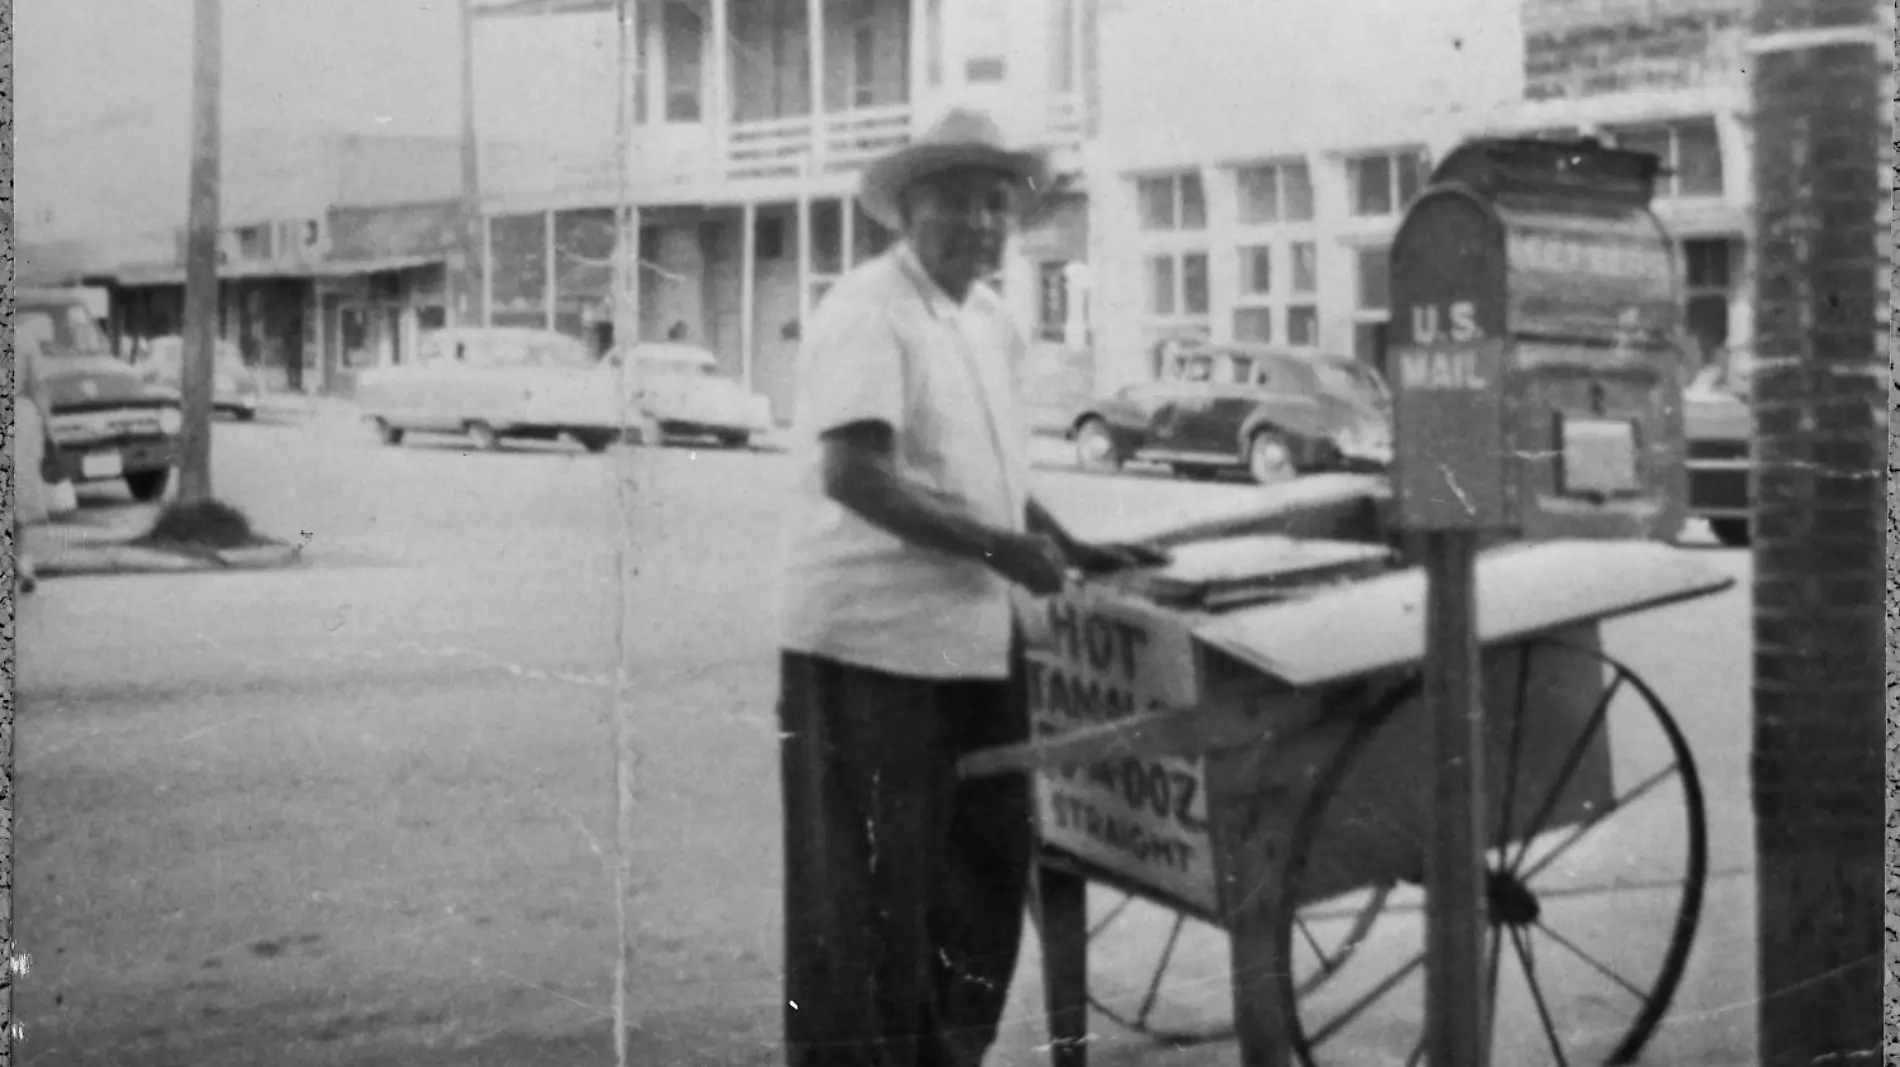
x=1590, y=925
x=1169, y=977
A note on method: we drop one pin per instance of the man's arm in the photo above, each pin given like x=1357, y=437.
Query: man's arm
x=1088, y=556
x=860, y=474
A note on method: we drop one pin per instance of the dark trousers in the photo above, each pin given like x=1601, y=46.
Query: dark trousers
x=905, y=889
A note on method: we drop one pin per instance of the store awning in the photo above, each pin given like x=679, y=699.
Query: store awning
x=157, y=274
x=345, y=268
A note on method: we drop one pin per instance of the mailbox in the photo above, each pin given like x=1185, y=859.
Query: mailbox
x=1534, y=347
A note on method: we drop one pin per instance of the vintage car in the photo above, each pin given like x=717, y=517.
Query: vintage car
x=1274, y=412
x=106, y=421
x=678, y=392
x=235, y=388
x=1720, y=428
x=492, y=385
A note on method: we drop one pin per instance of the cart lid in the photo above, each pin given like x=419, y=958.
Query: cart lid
x=1210, y=575
x=1349, y=631
x=1320, y=505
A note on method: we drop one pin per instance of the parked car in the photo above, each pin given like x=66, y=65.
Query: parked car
x=1720, y=429
x=107, y=422
x=493, y=385
x=1274, y=412
x=235, y=388
x=678, y=391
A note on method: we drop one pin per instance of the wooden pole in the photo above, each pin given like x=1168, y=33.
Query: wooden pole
x=471, y=298
x=201, y=254
x=748, y=288
x=626, y=280
x=1820, y=397
x=1455, y=982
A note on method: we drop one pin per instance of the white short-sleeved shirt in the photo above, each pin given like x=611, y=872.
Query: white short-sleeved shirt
x=888, y=345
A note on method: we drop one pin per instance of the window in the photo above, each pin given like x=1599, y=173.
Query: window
x=1194, y=283
x=1305, y=267
x=683, y=34
x=254, y=242
x=1052, y=300
x=1375, y=279
x=1256, y=270
x=1161, y=285
x=1177, y=284
x=1708, y=284
x=1172, y=202
x=1274, y=192
x=1253, y=324
x=863, y=65
x=768, y=236
x=1689, y=150
x=1302, y=325
x=1383, y=184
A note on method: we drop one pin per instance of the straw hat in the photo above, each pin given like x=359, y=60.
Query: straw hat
x=964, y=137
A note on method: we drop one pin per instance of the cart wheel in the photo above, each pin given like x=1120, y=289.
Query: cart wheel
x=1596, y=925
x=1169, y=977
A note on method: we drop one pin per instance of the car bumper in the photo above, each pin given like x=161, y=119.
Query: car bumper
x=107, y=460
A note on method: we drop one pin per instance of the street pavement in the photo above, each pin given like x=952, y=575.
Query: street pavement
x=361, y=811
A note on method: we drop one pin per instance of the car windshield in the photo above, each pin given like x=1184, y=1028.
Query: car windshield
x=58, y=331
x=1214, y=368
x=1342, y=377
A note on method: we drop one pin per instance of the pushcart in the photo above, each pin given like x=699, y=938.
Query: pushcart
x=1234, y=803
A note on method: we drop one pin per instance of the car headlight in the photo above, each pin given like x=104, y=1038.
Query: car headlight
x=170, y=420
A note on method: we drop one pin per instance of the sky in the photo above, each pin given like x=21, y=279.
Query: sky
x=103, y=94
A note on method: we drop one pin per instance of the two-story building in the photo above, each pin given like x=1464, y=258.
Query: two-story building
x=753, y=120
x=334, y=253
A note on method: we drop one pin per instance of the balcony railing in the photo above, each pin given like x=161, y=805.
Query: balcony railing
x=853, y=139
x=844, y=141
x=771, y=148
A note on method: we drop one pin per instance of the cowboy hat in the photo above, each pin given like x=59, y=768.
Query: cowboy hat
x=964, y=138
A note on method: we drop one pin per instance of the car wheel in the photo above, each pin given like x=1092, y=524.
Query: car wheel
x=147, y=486
x=483, y=436
x=596, y=442
x=1095, y=447
x=1270, y=458
x=1731, y=532
x=388, y=434
x=245, y=414
x=735, y=440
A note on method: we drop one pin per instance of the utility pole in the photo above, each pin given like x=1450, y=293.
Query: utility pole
x=201, y=254
x=1819, y=528
x=471, y=300
x=626, y=320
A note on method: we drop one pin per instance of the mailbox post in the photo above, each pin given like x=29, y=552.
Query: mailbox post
x=1534, y=352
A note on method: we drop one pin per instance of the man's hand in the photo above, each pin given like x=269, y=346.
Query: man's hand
x=1032, y=561
x=1112, y=557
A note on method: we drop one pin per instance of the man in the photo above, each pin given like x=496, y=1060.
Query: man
x=912, y=530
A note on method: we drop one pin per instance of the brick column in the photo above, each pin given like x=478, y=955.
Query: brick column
x=1818, y=764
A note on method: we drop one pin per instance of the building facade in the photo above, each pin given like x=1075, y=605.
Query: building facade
x=1253, y=163
x=1669, y=78
x=1259, y=203
x=333, y=255
x=754, y=119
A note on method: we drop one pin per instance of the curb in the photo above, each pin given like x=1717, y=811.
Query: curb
x=99, y=559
